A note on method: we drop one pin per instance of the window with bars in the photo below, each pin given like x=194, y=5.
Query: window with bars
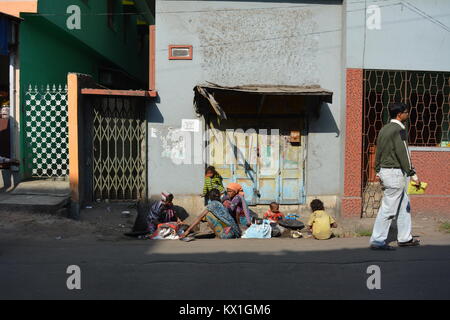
x=428, y=96
x=427, y=93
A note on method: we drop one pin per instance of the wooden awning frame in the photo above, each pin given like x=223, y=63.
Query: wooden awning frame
x=207, y=91
x=128, y=93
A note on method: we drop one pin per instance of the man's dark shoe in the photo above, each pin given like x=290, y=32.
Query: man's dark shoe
x=411, y=243
x=382, y=248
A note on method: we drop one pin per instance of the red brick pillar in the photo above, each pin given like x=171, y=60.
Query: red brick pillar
x=352, y=200
x=432, y=166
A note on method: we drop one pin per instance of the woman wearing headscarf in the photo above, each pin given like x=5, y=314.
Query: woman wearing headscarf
x=162, y=212
x=218, y=219
x=235, y=202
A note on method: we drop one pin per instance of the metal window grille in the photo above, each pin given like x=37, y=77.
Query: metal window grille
x=428, y=96
x=46, y=131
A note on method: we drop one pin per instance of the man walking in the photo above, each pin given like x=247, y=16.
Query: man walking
x=394, y=168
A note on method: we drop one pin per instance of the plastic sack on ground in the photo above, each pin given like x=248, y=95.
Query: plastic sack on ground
x=258, y=231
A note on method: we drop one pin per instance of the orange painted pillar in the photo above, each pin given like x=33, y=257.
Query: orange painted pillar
x=74, y=172
x=152, y=62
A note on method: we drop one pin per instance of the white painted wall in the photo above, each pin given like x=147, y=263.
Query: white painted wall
x=414, y=35
x=248, y=42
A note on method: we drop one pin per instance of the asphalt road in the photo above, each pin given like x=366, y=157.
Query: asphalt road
x=222, y=269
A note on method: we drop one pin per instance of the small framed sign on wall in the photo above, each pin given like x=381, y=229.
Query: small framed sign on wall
x=180, y=52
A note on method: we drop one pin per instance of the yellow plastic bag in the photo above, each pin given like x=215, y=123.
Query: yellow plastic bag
x=412, y=188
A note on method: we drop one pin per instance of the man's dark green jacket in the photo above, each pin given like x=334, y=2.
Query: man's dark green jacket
x=392, y=149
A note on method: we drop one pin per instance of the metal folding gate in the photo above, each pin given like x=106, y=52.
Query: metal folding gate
x=118, y=146
x=428, y=96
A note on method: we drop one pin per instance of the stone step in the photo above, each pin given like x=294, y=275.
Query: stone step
x=39, y=196
x=32, y=203
x=43, y=187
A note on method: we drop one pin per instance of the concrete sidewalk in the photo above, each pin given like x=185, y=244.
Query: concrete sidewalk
x=41, y=196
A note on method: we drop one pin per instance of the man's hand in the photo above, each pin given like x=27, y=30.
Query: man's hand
x=416, y=181
x=377, y=179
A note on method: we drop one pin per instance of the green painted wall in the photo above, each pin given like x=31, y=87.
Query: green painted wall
x=47, y=54
x=119, y=44
x=95, y=45
x=48, y=50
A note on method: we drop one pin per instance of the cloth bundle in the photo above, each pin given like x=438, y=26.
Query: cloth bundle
x=168, y=231
x=258, y=231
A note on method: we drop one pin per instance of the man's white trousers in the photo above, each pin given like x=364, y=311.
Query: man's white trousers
x=394, y=205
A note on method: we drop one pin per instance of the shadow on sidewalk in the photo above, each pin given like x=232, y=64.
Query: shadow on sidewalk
x=135, y=270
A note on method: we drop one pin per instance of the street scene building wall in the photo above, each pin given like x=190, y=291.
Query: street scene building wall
x=108, y=40
x=297, y=45
x=389, y=43
x=365, y=54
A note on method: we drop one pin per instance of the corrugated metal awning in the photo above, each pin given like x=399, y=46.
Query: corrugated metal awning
x=209, y=89
x=310, y=90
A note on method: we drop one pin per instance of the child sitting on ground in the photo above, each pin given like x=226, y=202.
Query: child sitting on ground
x=274, y=215
x=320, y=222
x=213, y=180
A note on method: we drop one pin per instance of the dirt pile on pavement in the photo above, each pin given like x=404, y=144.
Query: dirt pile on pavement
x=100, y=221
x=28, y=225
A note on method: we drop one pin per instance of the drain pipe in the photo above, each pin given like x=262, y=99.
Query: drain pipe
x=12, y=94
x=152, y=56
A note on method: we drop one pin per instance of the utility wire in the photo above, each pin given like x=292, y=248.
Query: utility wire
x=407, y=4
x=365, y=36
x=262, y=8
x=192, y=11
x=425, y=15
x=292, y=36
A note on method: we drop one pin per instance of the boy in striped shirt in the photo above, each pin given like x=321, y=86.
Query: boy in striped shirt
x=213, y=180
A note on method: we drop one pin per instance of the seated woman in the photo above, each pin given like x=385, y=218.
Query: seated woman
x=235, y=202
x=162, y=212
x=218, y=218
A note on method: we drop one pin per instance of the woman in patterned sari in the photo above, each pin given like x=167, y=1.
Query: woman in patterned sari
x=218, y=219
x=234, y=201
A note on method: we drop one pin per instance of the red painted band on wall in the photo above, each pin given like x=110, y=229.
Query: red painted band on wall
x=351, y=201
